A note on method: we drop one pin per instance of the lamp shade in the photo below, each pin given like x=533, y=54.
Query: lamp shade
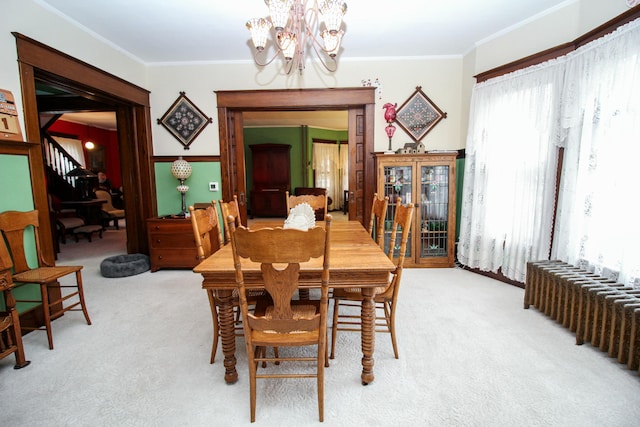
x=181, y=169
x=81, y=172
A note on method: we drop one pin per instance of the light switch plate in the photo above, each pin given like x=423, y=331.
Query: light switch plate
x=213, y=186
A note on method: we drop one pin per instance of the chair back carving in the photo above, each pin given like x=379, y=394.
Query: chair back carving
x=206, y=230
x=230, y=208
x=378, y=216
x=317, y=202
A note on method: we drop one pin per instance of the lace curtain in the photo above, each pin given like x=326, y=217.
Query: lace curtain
x=509, y=180
x=344, y=170
x=598, y=208
x=326, y=163
x=586, y=101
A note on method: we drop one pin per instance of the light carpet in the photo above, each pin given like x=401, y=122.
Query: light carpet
x=470, y=355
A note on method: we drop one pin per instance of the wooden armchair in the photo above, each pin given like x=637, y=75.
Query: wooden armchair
x=285, y=321
x=10, y=332
x=386, y=298
x=318, y=202
x=378, y=215
x=13, y=225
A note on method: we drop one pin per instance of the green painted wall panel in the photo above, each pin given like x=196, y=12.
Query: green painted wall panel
x=169, y=199
x=18, y=196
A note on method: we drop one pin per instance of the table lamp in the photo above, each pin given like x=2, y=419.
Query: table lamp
x=181, y=169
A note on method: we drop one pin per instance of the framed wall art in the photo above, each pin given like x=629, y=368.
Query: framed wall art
x=184, y=120
x=418, y=115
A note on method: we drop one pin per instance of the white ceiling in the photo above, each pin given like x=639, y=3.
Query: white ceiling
x=162, y=31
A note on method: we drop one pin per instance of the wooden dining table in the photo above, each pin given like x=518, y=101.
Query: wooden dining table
x=355, y=261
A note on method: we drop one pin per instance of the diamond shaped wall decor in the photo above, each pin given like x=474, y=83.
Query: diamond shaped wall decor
x=184, y=120
x=418, y=115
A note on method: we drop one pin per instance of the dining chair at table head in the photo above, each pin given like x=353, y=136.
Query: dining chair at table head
x=378, y=216
x=13, y=225
x=385, y=298
x=317, y=202
x=10, y=332
x=283, y=322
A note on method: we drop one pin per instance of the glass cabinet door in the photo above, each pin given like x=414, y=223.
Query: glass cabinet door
x=398, y=184
x=434, y=210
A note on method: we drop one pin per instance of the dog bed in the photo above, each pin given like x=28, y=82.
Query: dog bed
x=124, y=265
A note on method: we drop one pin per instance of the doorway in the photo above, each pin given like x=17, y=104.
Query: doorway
x=131, y=104
x=358, y=102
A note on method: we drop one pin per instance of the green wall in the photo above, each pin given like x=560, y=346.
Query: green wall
x=297, y=138
x=16, y=194
x=169, y=199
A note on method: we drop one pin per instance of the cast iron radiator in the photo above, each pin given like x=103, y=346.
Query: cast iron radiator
x=599, y=310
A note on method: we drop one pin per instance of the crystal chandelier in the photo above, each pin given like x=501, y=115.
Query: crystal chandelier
x=296, y=24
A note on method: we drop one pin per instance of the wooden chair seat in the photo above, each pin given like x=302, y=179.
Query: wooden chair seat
x=44, y=275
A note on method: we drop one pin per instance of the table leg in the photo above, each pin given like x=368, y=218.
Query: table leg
x=368, y=319
x=226, y=320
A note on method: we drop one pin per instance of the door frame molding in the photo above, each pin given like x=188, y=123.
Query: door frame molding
x=134, y=130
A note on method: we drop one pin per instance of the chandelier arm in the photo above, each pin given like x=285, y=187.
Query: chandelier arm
x=264, y=64
x=323, y=61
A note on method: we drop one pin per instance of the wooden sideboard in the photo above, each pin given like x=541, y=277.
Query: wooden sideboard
x=171, y=243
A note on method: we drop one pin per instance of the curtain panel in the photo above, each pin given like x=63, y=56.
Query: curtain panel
x=326, y=163
x=581, y=101
x=597, y=219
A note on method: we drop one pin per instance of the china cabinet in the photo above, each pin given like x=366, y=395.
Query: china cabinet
x=428, y=181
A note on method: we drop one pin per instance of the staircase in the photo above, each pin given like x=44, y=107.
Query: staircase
x=59, y=165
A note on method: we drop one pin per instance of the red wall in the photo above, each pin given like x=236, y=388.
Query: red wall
x=106, y=138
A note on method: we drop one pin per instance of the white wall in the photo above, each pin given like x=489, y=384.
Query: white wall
x=440, y=80
x=30, y=19
x=447, y=81
x=562, y=24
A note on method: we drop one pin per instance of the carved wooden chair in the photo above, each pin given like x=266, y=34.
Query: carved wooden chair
x=317, y=202
x=207, y=234
x=10, y=333
x=378, y=216
x=386, y=297
x=285, y=322
x=13, y=225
